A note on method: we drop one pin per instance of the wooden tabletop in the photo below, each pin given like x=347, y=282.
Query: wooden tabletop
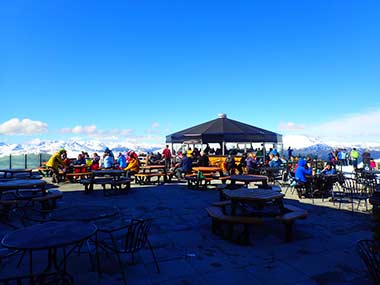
x=114, y=172
x=153, y=166
x=15, y=171
x=248, y=178
x=21, y=183
x=253, y=194
x=48, y=235
x=84, y=213
x=207, y=169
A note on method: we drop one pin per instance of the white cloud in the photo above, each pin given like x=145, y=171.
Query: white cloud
x=155, y=125
x=94, y=132
x=289, y=126
x=16, y=126
x=154, y=128
x=349, y=128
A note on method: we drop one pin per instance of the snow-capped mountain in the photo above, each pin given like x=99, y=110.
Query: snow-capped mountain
x=302, y=145
x=73, y=147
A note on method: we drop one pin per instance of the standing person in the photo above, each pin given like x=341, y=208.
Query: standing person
x=290, y=152
x=354, y=154
x=167, y=155
x=55, y=163
x=331, y=157
x=366, y=157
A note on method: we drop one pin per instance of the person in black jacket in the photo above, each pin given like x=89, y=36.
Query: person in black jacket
x=242, y=163
x=203, y=160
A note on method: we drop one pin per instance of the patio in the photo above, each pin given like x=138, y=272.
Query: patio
x=322, y=252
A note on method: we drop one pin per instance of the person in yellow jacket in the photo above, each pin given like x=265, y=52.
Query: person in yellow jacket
x=55, y=163
x=133, y=166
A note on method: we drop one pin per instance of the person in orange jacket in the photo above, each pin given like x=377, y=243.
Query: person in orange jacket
x=133, y=166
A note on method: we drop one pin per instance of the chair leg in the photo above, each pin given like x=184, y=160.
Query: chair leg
x=119, y=261
x=154, y=256
x=21, y=258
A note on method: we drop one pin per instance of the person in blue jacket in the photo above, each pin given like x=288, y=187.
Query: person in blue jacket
x=329, y=169
x=184, y=166
x=302, y=170
x=121, y=161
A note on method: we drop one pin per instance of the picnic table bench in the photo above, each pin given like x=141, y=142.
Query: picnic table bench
x=195, y=182
x=72, y=176
x=219, y=216
x=145, y=178
x=49, y=200
x=116, y=186
x=292, y=213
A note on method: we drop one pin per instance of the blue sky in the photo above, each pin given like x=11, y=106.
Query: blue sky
x=140, y=70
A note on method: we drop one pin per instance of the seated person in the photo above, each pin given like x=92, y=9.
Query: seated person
x=328, y=169
x=133, y=166
x=80, y=165
x=203, y=159
x=302, y=170
x=251, y=163
x=230, y=165
x=121, y=161
x=275, y=161
x=108, y=161
x=242, y=163
x=184, y=166
x=372, y=164
x=95, y=161
x=324, y=184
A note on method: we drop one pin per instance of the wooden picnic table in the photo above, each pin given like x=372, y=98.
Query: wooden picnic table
x=248, y=179
x=153, y=167
x=13, y=171
x=149, y=171
x=208, y=169
x=114, y=178
x=254, y=196
x=17, y=184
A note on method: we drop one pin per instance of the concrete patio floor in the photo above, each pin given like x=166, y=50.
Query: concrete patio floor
x=322, y=252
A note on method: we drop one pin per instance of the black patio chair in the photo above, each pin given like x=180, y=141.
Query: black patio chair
x=371, y=257
x=129, y=238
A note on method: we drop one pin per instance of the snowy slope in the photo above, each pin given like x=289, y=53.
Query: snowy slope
x=301, y=145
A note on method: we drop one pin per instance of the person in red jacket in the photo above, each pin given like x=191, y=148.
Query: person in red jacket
x=167, y=155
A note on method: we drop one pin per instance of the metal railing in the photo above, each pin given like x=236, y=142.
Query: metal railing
x=23, y=160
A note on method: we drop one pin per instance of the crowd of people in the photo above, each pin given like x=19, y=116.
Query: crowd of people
x=59, y=164
x=181, y=162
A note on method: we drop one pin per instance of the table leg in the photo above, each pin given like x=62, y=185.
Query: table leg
x=31, y=279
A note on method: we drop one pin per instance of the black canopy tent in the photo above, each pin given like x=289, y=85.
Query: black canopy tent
x=223, y=130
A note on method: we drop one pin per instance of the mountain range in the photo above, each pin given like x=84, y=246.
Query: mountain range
x=302, y=145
